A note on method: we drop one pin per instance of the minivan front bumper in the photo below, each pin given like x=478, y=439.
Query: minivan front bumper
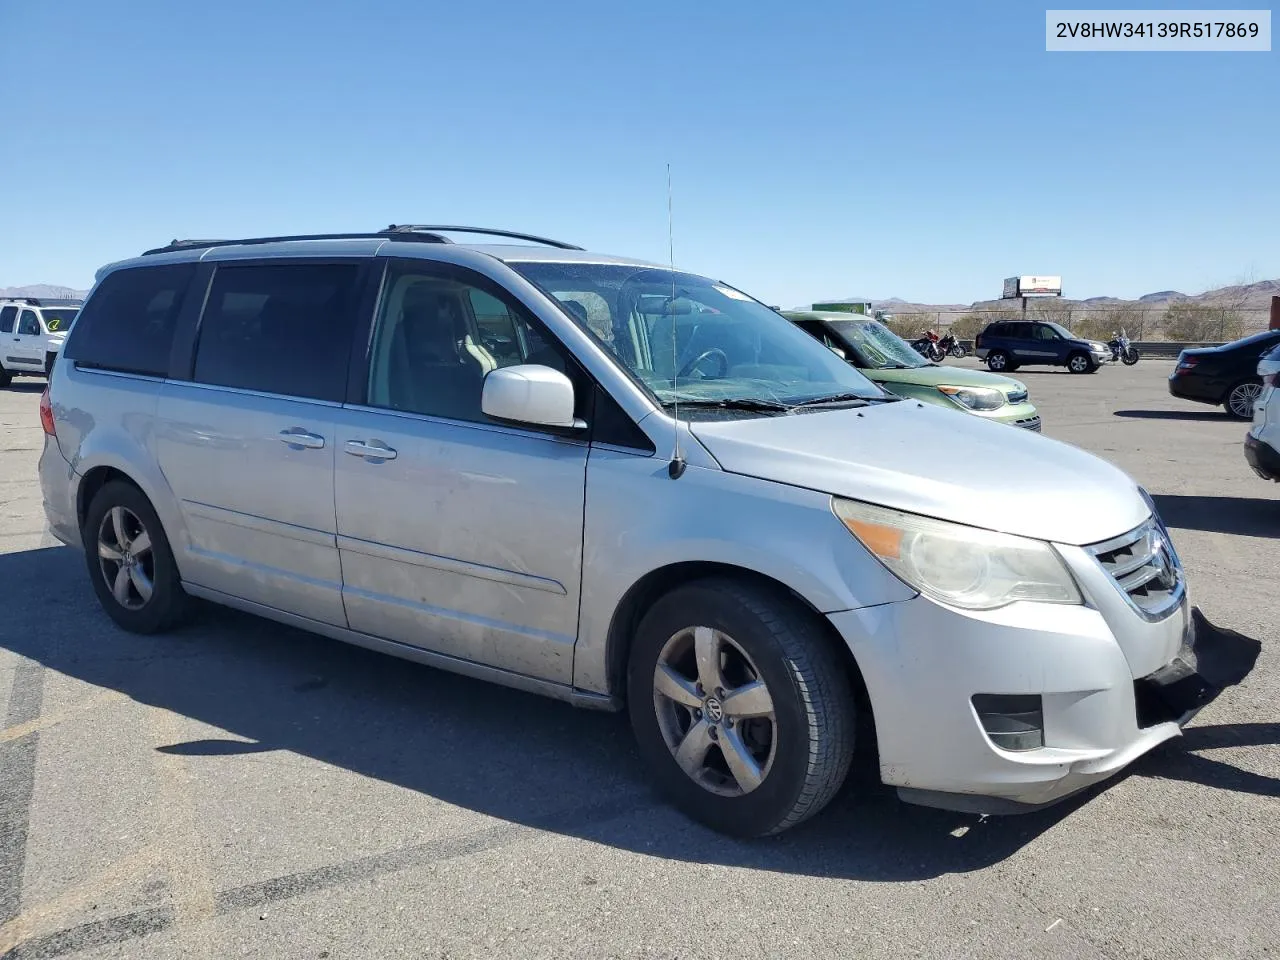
x=1077, y=710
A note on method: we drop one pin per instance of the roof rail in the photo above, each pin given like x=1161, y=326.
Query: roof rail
x=44, y=301
x=174, y=245
x=409, y=232
x=403, y=230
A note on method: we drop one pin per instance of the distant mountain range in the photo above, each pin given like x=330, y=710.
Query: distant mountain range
x=49, y=290
x=1250, y=298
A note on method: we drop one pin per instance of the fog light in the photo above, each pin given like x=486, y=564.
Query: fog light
x=1013, y=722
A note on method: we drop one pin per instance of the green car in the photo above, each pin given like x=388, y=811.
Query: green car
x=883, y=356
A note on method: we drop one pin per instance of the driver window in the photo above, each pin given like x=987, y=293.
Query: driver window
x=440, y=331
x=1046, y=333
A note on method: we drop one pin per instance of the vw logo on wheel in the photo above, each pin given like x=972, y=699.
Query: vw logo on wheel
x=714, y=710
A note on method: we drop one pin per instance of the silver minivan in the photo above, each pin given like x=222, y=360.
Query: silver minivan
x=620, y=484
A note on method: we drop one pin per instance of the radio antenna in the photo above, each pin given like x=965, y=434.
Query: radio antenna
x=676, y=468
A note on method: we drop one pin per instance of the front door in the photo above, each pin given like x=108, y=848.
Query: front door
x=458, y=534
x=247, y=442
x=25, y=349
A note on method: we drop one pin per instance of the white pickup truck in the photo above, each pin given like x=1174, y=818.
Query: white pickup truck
x=32, y=331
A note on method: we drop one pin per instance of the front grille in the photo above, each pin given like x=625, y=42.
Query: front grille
x=1145, y=567
x=1017, y=396
x=1028, y=423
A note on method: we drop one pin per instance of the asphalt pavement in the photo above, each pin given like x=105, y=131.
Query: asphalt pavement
x=244, y=789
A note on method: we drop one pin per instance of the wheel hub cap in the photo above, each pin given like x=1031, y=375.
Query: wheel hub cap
x=715, y=711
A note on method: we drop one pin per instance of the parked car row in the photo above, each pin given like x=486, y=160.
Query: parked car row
x=629, y=487
x=32, y=332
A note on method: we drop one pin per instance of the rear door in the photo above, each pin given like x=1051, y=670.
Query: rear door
x=247, y=438
x=1042, y=344
x=24, y=349
x=8, y=336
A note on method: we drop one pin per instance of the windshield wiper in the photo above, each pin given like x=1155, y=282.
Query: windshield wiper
x=843, y=399
x=728, y=403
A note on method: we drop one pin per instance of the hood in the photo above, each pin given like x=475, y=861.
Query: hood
x=923, y=459
x=949, y=376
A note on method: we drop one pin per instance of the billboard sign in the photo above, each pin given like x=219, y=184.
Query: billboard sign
x=1032, y=286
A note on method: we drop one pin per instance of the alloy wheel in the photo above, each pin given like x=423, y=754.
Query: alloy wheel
x=1079, y=364
x=126, y=558
x=1242, y=399
x=715, y=711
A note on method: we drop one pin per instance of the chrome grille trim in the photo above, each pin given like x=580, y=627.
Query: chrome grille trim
x=1145, y=568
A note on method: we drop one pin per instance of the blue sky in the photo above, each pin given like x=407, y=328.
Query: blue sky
x=921, y=150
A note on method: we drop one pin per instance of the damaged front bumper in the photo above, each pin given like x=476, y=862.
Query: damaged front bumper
x=1022, y=709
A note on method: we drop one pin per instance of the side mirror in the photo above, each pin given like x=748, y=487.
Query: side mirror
x=839, y=353
x=530, y=393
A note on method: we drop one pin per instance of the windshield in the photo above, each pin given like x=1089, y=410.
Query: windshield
x=55, y=320
x=878, y=346
x=708, y=343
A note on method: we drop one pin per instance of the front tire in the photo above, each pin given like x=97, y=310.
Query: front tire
x=959, y=352
x=740, y=706
x=998, y=361
x=6, y=378
x=1130, y=357
x=1240, y=399
x=1080, y=363
x=130, y=562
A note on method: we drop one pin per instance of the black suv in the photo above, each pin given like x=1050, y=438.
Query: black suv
x=1009, y=344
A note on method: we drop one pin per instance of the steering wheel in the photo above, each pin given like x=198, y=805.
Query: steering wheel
x=720, y=355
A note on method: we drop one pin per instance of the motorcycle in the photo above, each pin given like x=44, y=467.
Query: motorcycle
x=951, y=347
x=929, y=349
x=1123, y=350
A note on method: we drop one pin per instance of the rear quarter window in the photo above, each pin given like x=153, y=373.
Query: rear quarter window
x=129, y=321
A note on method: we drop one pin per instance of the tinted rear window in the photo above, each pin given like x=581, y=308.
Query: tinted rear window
x=129, y=321
x=8, y=315
x=280, y=328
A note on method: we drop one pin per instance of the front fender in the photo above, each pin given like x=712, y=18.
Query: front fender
x=638, y=520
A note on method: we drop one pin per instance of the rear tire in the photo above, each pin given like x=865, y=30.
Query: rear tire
x=998, y=361
x=130, y=562
x=768, y=762
x=1081, y=363
x=6, y=378
x=1241, y=397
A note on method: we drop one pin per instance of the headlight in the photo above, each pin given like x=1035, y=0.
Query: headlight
x=975, y=398
x=964, y=566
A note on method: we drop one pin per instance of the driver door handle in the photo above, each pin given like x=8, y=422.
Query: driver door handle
x=370, y=449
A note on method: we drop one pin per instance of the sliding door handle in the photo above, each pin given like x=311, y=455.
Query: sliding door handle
x=370, y=449
x=300, y=439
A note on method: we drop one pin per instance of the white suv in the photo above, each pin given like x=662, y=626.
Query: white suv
x=32, y=331
x=1262, y=445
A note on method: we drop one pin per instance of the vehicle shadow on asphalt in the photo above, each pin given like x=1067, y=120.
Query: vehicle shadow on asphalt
x=1244, y=516
x=25, y=386
x=524, y=759
x=1209, y=414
